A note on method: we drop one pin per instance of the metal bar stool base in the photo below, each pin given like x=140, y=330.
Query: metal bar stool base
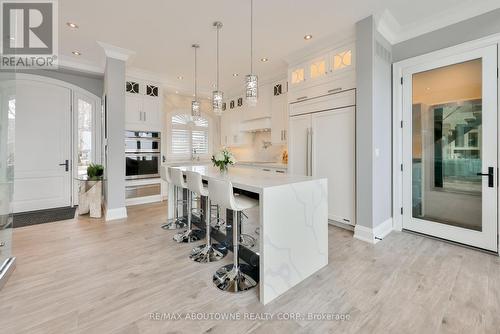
x=234, y=279
x=174, y=224
x=189, y=236
x=208, y=253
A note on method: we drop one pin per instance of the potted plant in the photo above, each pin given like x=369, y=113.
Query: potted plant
x=95, y=171
x=223, y=159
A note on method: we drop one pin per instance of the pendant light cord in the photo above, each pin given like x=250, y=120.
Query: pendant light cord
x=195, y=76
x=251, y=36
x=217, y=88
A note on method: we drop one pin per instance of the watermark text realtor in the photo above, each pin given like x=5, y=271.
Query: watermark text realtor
x=29, y=34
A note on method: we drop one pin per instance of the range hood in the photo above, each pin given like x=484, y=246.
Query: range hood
x=256, y=125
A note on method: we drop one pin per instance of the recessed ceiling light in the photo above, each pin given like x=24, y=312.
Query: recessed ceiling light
x=214, y=85
x=180, y=77
x=264, y=59
x=72, y=25
x=235, y=74
x=77, y=53
x=176, y=92
x=308, y=37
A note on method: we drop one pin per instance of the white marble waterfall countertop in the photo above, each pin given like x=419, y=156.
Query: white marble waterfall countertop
x=293, y=222
x=249, y=179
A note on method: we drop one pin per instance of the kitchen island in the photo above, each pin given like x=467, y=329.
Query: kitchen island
x=293, y=222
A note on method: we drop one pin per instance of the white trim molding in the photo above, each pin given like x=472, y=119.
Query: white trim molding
x=116, y=52
x=373, y=235
x=114, y=214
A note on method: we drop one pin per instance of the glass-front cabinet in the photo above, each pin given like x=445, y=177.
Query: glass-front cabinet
x=322, y=68
x=7, y=123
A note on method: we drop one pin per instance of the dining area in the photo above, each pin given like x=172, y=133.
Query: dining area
x=264, y=234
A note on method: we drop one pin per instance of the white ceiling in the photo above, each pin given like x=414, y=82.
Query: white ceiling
x=161, y=31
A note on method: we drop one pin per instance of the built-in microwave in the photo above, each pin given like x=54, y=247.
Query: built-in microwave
x=142, y=155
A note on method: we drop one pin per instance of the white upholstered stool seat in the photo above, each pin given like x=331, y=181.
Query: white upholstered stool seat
x=176, y=222
x=237, y=276
x=208, y=252
x=190, y=234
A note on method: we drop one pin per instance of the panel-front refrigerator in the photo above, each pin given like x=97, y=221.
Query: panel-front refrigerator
x=322, y=144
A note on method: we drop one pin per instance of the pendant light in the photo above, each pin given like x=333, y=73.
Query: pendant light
x=217, y=94
x=251, y=80
x=195, y=104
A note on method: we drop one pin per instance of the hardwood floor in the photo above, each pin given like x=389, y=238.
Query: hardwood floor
x=87, y=276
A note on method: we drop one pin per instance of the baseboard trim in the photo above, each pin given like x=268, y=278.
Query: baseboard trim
x=114, y=214
x=373, y=235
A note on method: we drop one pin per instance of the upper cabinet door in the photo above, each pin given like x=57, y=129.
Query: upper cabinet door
x=133, y=108
x=297, y=75
x=151, y=109
x=318, y=68
x=341, y=60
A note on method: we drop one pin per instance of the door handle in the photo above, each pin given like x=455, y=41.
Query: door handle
x=490, y=176
x=66, y=165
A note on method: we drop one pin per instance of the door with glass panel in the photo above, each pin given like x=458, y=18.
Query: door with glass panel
x=450, y=148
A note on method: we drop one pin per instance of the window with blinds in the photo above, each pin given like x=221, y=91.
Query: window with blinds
x=189, y=136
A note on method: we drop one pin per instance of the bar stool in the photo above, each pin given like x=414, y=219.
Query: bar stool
x=188, y=235
x=208, y=252
x=176, y=222
x=237, y=276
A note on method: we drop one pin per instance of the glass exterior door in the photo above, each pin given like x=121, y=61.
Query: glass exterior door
x=7, y=122
x=450, y=148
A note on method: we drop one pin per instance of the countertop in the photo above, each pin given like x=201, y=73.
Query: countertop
x=249, y=179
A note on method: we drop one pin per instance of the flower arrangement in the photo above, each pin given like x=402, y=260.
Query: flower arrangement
x=223, y=159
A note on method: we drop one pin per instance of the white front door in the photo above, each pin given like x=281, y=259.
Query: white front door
x=42, y=174
x=449, y=139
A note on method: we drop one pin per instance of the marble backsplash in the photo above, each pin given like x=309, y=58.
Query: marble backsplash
x=260, y=149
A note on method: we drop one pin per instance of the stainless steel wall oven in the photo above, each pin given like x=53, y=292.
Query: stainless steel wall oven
x=142, y=155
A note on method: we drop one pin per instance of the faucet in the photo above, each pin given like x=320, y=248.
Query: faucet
x=194, y=156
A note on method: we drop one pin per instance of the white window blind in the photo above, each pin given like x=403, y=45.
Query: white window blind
x=180, y=141
x=189, y=136
x=200, y=141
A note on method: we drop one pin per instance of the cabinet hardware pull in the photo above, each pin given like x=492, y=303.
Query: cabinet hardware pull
x=301, y=98
x=335, y=90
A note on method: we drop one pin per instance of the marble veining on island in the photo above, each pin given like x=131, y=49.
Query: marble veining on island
x=293, y=222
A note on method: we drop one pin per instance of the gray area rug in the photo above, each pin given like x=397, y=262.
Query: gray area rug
x=43, y=216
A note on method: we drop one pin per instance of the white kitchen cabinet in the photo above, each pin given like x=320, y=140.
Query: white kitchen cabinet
x=142, y=106
x=279, y=113
x=133, y=109
x=322, y=144
x=231, y=134
x=327, y=73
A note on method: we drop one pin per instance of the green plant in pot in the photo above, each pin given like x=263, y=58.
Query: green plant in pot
x=95, y=171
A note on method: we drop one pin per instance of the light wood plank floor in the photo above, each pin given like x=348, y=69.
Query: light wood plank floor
x=87, y=276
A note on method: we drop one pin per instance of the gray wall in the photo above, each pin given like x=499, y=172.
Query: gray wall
x=461, y=32
x=90, y=82
x=364, y=122
x=373, y=126
x=114, y=78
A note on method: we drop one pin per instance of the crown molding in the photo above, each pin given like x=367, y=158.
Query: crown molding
x=116, y=52
x=322, y=45
x=395, y=32
x=68, y=63
x=388, y=26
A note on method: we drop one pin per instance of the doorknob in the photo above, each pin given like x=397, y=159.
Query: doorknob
x=489, y=175
x=66, y=165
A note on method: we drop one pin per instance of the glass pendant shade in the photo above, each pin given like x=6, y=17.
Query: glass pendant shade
x=217, y=97
x=195, y=109
x=252, y=89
